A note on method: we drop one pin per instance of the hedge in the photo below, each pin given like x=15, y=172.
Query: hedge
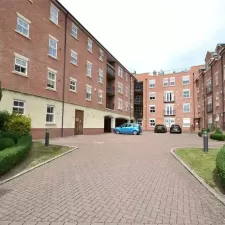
x=217, y=136
x=220, y=164
x=12, y=156
x=6, y=143
x=4, y=120
x=12, y=134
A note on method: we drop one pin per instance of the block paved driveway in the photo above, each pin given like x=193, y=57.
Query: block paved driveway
x=112, y=179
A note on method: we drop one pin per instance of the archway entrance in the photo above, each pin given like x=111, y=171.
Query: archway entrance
x=120, y=121
x=107, y=124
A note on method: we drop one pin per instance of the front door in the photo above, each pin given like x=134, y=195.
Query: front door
x=79, y=121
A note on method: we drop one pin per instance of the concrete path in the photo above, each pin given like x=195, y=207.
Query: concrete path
x=112, y=179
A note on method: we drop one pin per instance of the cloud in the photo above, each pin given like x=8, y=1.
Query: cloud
x=153, y=34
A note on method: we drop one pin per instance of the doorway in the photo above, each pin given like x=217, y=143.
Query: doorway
x=107, y=124
x=79, y=122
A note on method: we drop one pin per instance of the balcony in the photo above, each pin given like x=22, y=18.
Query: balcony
x=110, y=72
x=110, y=106
x=209, y=108
x=169, y=100
x=110, y=91
x=138, y=101
x=138, y=114
x=169, y=112
x=209, y=89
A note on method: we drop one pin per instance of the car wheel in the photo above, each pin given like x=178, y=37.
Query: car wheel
x=117, y=132
x=135, y=132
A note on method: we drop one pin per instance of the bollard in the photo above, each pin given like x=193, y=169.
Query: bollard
x=46, y=137
x=205, y=141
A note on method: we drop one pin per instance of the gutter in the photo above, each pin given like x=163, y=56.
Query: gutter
x=222, y=71
x=64, y=75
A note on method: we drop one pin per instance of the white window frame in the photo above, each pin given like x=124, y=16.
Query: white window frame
x=184, y=90
x=173, y=81
x=186, y=123
x=127, y=91
x=120, y=88
x=24, y=60
x=101, y=55
x=53, y=114
x=54, y=18
x=152, y=122
x=100, y=97
x=50, y=70
x=170, y=121
x=100, y=76
x=217, y=78
x=89, y=69
x=169, y=109
x=126, y=106
x=154, y=109
x=152, y=83
x=184, y=79
x=73, y=85
x=120, y=104
x=74, y=31
x=217, y=99
x=165, y=82
x=169, y=96
x=90, y=45
x=120, y=72
x=51, y=38
x=152, y=95
x=184, y=106
x=24, y=20
x=18, y=107
x=88, y=91
x=74, y=56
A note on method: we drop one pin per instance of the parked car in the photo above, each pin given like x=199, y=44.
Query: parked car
x=160, y=128
x=128, y=128
x=175, y=128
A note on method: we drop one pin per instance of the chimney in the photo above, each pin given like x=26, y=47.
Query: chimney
x=154, y=73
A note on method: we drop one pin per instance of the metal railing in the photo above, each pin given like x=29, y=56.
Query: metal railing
x=110, y=90
x=168, y=112
x=209, y=108
x=110, y=70
x=109, y=105
x=208, y=89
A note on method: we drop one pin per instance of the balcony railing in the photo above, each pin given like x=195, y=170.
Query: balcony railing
x=169, y=99
x=209, y=89
x=209, y=108
x=138, y=89
x=110, y=106
x=110, y=91
x=138, y=114
x=110, y=71
x=138, y=101
x=168, y=112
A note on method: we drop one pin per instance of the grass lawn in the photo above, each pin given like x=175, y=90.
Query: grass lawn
x=204, y=164
x=38, y=154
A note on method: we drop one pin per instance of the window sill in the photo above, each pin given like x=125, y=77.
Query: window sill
x=23, y=35
x=90, y=51
x=100, y=82
x=88, y=99
x=49, y=123
x=185, y=84
x=120, y=93
x=74, y=37
x=30, y=1
x=100, y=103
x=54, y=23
x=73, y=63
x=50, y=89
x=73, y=91
x=53, y=57
x=21, y=74
x=89, y=76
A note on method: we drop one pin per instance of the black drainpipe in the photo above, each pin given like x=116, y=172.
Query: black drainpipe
x=222, y=88
x=64, y=75
x=212, y=94
x=194, y=99
x=204, y=100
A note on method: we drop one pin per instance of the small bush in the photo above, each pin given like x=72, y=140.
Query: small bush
x=6, y=143
x=12, y=134
x=218, y=131
x=220, y=164
x=12, y=156
x=4, y=120
x=200, y=133
x=20, y=123
x=217, y=136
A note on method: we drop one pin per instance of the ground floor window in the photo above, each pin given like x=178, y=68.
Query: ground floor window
x=186, y=122
x=139, y=121
x=151, y=122
x=50, y=114
x=169, y=121
x=19, y=106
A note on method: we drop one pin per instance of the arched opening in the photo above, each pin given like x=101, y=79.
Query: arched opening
x=120, y=121
x=107, y=124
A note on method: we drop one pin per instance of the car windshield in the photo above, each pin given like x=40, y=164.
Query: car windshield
x=159, y=126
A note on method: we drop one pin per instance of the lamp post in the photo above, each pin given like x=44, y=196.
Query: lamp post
x=46, y=137
x=205, y=141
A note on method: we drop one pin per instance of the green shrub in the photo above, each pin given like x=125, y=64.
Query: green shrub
x=12, y=134
x=4, y=120
x=12, y=156
x=220, y=164
x=6, y=143
x=218, y=131
x=200, y=133
x=20, y=123
x=217, y=136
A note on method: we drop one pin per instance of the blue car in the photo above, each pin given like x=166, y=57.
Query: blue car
x=128, y=128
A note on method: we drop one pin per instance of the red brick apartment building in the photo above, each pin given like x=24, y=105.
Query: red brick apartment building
x=167, y=97
x=210, y=89
x=53, y=70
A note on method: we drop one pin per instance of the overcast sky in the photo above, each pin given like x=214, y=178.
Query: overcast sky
x=153, y=34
